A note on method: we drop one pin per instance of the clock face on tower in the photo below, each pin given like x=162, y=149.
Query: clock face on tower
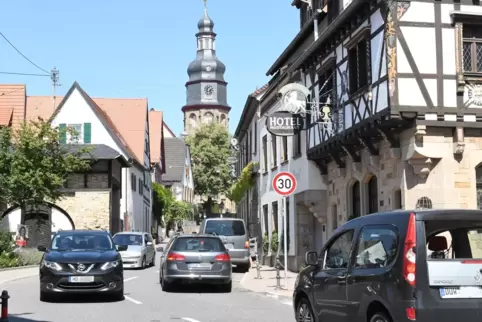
x=208, y=90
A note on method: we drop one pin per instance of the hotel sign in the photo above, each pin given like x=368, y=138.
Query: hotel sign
x=284, y=123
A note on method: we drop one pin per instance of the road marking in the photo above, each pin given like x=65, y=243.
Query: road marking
x=130, y=278
x=189, y=320
x=157, y=272
x=287, y=302
x=132, y=300
x=242, y=279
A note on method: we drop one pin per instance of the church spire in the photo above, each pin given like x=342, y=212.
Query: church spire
x=205, y=7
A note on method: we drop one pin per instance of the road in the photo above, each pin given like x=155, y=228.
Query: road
x=146, y=302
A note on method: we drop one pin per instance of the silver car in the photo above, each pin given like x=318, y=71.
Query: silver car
x=195, y=259
x=141, y=251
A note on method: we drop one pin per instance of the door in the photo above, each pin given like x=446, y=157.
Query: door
x=371, y=272
x=329, y=285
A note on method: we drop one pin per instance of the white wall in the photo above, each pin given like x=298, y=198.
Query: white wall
x=59, y=221
x=75, y=111
x=306, y=173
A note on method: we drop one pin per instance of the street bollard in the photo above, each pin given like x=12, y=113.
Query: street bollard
x=4, y=297
x=258, y=267
x=278, y=276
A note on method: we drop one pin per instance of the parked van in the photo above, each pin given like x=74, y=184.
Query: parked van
x=396, y=266
x=234, y=235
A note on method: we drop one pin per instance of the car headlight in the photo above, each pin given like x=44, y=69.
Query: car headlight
x=109, y=265
x=52, y=265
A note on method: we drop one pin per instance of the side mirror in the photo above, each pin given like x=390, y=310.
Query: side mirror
x=311, y=258
x=41, y=248
x=121, y=248
x=149, y=244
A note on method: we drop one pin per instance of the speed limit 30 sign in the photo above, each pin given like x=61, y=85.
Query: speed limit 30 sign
x=284, y=183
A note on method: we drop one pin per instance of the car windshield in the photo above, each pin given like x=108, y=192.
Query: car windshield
x=198, y=244
x=225, y=227
x=128, y=239
x=81, y=241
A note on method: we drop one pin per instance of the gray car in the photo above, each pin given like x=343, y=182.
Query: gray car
x=234, y=236
x=140, y=252
x=195, y=259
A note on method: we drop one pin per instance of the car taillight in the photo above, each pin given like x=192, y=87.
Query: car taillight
x=246, y=244
x=409, y=259
x=222, y=258
x=175, y=257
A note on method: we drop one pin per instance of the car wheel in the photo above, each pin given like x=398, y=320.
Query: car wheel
x=45, y=297
x=304, y=313
x=226, y=288
x=380, y=317
x=244, y=268
x=165, y=285
x=119, y=296
x=143, y=265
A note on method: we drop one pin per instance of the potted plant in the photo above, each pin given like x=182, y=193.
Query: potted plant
x=265, y=249
x=274, y=247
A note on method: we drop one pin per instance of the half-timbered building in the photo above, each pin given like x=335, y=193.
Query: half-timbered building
x=395, y=107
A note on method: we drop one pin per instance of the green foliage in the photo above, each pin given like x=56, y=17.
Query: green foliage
x=167, y=207
x=274, y=241
x=210, y=149
x=7, y=256
x=162, y=198
x=244, y=182
x=29, y=256
x=34, y=164
x=265, y=243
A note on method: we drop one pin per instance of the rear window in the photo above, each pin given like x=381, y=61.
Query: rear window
x=198, y=244
x=454, y=239
x=225, y=227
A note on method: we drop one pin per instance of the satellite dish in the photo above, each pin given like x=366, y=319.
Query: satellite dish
x=234, y=141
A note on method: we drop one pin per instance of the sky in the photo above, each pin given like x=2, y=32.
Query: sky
x=128, y=49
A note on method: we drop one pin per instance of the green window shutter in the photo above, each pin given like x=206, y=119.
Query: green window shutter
x=87, y=132
x=63, y=133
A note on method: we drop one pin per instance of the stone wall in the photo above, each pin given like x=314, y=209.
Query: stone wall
x=88, y=209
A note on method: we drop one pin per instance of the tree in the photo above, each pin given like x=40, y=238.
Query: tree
x=210, y=149
x=162, y=199
x=34, y=164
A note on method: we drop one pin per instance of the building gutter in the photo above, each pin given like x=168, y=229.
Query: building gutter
x=341, y=19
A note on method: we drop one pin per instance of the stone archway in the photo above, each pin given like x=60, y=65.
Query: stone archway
x=41, y=222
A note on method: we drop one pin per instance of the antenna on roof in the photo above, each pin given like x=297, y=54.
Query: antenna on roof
x=54, y=76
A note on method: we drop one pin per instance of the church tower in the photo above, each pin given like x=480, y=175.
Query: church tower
x=206, y=89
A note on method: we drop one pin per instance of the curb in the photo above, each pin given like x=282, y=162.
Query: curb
x=17, y=268
x=282, y=298
x=16, y=279
x=278, y=297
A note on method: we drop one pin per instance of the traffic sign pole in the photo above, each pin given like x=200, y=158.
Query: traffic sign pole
x=284, y=184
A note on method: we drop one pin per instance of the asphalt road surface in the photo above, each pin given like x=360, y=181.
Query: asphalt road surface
x=146, y=302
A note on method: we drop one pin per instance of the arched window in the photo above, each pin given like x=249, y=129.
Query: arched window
x=223, y=119
x=208, y=118
x=355, y=199
x=424, y=203
x=372, y=195
x=478, y=179
x=193, y=120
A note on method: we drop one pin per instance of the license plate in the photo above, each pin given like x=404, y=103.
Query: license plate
x=201, y=265
x=463, y=292
x=81, y=279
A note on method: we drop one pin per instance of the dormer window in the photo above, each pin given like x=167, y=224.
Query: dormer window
x=305, y=14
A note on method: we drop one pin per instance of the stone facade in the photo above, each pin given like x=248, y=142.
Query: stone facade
x=89, y=209
x=429, y=164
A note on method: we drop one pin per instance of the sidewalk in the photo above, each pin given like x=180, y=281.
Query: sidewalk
x=7, y=275
x=267, y=284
